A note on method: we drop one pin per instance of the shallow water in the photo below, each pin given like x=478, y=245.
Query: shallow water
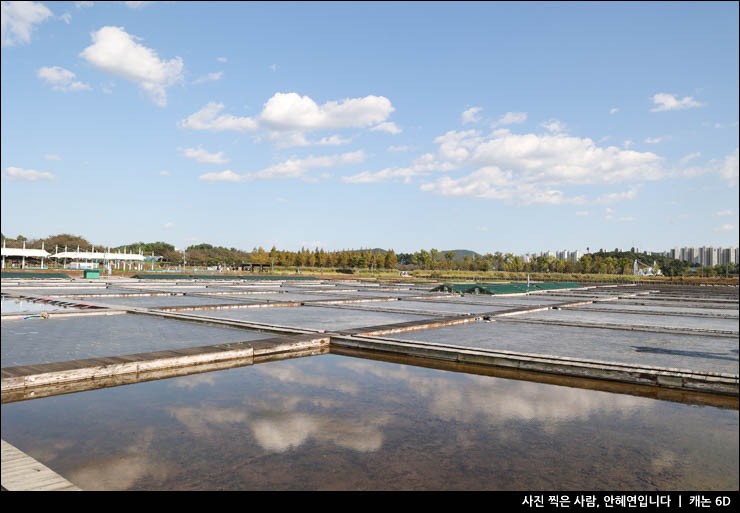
x=33, y=341
x=334, y=422
x=668, y=350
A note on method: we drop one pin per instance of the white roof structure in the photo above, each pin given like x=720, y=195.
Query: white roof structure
x=97, y=255
x=23, y=252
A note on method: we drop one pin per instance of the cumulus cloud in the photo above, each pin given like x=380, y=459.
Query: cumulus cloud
x=388, y=127
x=294, y=112
x=554, y=126
x=137, y=5
x=425, y=164
x=614, y=197
x=728, y=169
x=653, y=140
x=291, y=168
x=664, y=102
x=66, y=17
x=210, y=118
x=116, y=52
x=511, y=118
x=530, y=168
x=723, y=213
x=691, y=156
x=26, y=175
x=725, y=228
x=471, y=115
x=165, y=173
x=210, y=77
x=18, y=20
x=222, y=59
x=613, y=110
x=286, y=118
x=82, y=5
x=203, y=156
x=61, y=79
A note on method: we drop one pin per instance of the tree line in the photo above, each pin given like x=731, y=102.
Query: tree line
x=600, y=262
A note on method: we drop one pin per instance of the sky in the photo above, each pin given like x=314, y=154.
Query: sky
x=516, y=127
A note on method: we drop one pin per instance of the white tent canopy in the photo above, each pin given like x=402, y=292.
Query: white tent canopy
x=97, y=255
x=23, y=252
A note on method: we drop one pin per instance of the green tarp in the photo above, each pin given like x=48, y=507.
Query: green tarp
x=32, y=274
x=502, y=288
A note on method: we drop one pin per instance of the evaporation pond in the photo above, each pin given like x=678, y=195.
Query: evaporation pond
x=311, y=317
x=665, y=350
x=630, y=319
x=336, y=422
x=35, y=341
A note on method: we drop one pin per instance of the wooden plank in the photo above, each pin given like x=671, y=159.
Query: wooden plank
x=21, y=472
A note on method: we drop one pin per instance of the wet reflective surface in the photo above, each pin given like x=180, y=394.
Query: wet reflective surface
x=311, y=317
x=629, y=319
x=668, y=350
x=333, y=422
x=34, y=341
x=12, y=305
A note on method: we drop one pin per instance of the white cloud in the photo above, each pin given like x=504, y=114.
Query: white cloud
x=287, y=117
x=725, y=228
x=18, y=19
x=421, y=166
x=52, y=156
x=208, y=118
x=472, y=115
x=513, y=118
x=203, y=156
x=665, y=102
x=613, y=110
x=222, y=176
x=653, y=140
x=273, y=67
x=728, y=169
x=554, y=126
x=210, y=77
x=388, y=127
x=81, y=5
x=723, y=213
x=116, y=52
x=617, y=196
x=629, y=143
x=530, y=168
x=168, y=225
x=290, y=111
x=66, y=17
x=291, y=168
x=27, y=175
x=137, y=5
x=292, y=139
x=165, y=173
x=222, y=59
x=333, y=140
x=691, y=156
x=61, y=79
x=609, y=216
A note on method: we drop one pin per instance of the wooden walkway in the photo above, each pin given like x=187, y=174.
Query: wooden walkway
x=23, y=473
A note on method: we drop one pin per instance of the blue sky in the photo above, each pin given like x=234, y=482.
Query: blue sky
x=513, y=127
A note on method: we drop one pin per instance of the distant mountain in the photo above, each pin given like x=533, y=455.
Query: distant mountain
x=459, y=253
